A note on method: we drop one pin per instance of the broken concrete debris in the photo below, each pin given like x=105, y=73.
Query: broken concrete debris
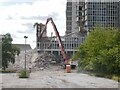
x=35, y=61
x=44, y=60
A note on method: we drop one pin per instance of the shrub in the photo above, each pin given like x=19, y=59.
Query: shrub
x=100, y=51
x=23, y=74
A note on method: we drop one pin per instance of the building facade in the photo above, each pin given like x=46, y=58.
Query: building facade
x=69, y=17
x=103, y=14
x=87, y=14
x=74, y=16
x=70, y=45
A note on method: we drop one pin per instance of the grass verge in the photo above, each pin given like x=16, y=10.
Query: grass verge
x=110, y=76
x=7, y=71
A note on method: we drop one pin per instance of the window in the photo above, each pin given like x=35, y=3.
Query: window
x=79, y=13
x=93, y=6
x=69, y=13
x=69, y=3
x=69, y=18
x=93, y=23
x=69, y=28
x=38, y=45
x=80, y=7
x=69, y=23
x=69, y=8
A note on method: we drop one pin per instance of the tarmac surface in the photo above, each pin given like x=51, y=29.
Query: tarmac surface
x=55, y=78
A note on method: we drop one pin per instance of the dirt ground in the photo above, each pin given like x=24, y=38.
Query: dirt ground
x=54, y=77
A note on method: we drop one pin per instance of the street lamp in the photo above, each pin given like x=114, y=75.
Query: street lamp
x=25, y=50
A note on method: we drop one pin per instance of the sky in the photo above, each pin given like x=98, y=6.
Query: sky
x=17, y=17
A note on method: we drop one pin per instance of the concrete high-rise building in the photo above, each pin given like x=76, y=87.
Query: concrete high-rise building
x=74, y=16
x=71, y=12
x=68, y=17
x=104, y=14
x=92, y=13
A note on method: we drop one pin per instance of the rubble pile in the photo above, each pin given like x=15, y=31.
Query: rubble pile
x=44, y=60
x=35, y=61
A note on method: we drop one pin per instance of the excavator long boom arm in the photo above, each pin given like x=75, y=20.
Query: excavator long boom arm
x=66, y=59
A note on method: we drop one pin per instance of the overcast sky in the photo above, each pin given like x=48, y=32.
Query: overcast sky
x=17, y=17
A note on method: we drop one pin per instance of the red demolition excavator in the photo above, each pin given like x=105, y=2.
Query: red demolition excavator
x=67, y=61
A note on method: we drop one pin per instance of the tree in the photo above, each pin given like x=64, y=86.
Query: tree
x=100, y=51
x=9, y=51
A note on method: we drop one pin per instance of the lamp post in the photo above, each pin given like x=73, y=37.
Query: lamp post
x=25, y=50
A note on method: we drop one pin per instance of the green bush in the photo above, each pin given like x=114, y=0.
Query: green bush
x=24, y=74
x=100, y=51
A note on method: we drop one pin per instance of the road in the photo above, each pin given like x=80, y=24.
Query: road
x=55, y=78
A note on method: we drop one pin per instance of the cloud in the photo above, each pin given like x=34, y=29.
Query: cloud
x=28, y=28
x=20, y=1
x=19, y=16
x=16, y=1
x=39, y=9
x=9, y=18
x=55, y=15
x=27, y=24
x=14, y=35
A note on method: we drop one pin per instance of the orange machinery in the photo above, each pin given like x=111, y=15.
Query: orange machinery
x=66, y=59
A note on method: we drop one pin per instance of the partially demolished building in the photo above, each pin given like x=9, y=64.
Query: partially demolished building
x=50, y=44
